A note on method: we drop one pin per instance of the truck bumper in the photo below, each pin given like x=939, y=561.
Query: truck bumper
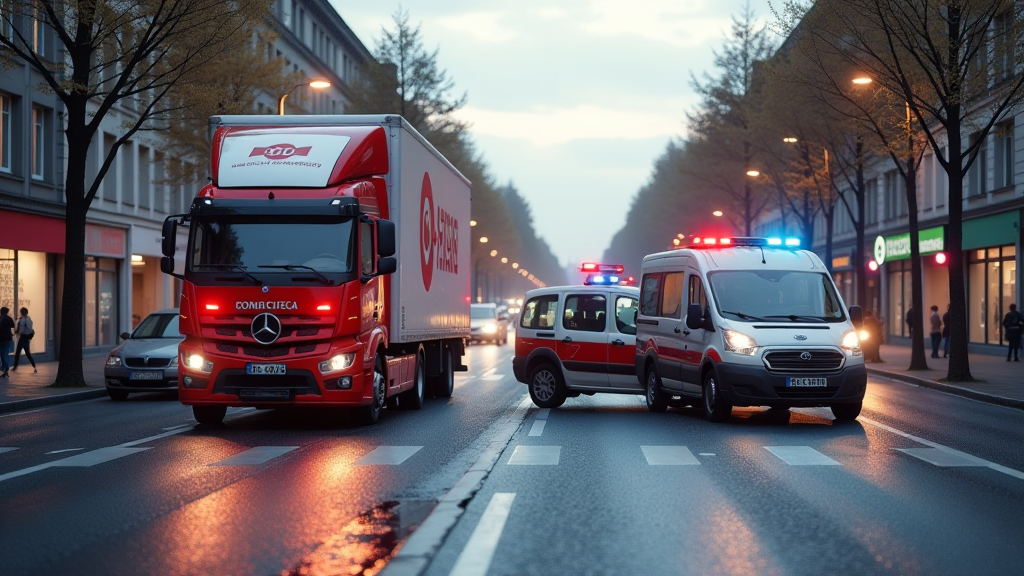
x=754, y=386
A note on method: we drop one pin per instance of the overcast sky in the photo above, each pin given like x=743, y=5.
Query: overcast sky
x=570, y=100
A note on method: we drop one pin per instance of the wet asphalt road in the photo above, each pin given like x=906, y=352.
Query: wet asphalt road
x=623, y=491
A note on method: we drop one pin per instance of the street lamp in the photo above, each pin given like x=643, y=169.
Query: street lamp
x=483, y=239
x=472, y=222
x=790, y=140
x=315, y=84
x=753, y=173
x=515, y=265
x=494, y=253
x=862, y=80
x=717, y=213
x=504, y=260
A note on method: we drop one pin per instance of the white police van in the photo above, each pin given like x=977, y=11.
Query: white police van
x=746, y=322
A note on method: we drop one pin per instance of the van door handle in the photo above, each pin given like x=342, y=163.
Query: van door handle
x=545, y=334
x=567, y=340
x=677, y=330
x=686, y=332
x=618, y=342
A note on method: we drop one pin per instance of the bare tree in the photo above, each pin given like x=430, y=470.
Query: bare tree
x=140, y=53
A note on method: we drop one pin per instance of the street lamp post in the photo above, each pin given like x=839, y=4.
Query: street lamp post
x=315, y=84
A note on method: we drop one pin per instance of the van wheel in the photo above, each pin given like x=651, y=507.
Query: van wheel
x=657, y=401
x=209, y=415
x=715, y=408
x=370, y=413
x=444, y=384
x=413, y=399
x=846, y=412
x=547, y=390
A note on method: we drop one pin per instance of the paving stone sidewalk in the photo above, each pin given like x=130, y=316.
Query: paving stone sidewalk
x=24, y=389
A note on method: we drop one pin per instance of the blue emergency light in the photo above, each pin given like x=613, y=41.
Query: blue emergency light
x=601, y=280
x=709, y=242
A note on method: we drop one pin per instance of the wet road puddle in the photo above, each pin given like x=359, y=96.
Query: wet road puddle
x=367, y=543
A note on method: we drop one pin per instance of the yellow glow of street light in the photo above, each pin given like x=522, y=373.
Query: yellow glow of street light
x=680, y=236
x=753, y=173
x=319, y=84
x=504, y=260
x=515, y=265
x=472, y=222
x=494, y=253
x=862, y=80
x=789, y=140
x=675, y=241
x=483, y=239
x=716, y=213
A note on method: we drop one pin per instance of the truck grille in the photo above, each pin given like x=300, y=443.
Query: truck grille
x=299, y=335
x=804, y=361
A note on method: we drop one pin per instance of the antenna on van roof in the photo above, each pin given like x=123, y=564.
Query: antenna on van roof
x=763, y=261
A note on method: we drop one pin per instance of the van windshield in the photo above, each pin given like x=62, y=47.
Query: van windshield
x=778, y=295
x=481, y=313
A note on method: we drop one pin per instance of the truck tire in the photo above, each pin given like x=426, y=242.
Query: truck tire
x=370, y=413
x=547, y=389
x=715, y=409
x=444, y=383
x=657, y=401
x=413, y=399
x=209, y=415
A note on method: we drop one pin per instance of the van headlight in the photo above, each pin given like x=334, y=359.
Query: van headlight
x=337, y=362
x=490, y=328
x=739, y=343
x=851, y=342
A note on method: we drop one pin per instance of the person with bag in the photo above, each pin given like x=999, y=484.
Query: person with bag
x=25, y=332
x=1013, y=324
x=6, y=339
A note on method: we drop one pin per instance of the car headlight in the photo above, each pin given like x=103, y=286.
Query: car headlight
x=174, y=362
x=864, y=335
x=490, y=328
x=113, y=360
x=851, y=342
x=197, y=362
x=337, y=362
x=739, y=343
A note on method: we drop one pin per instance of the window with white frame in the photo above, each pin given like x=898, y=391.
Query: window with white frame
x=941, y=181
x=38, y=142
x=39, y=32
x=5, y=132
x=928, y=169
x=977, y=176
x=1004, y=154
x=1003, y=45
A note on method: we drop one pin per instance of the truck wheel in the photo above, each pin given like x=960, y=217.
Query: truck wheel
x=444, y=384
x=657, y=401
x=846, y=411
x=715, y=408
x=547, y=390
x=370, y=413
x=117, y=395
x=209, y=415
x=413, y=399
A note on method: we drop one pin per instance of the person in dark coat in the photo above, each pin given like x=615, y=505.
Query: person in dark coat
x=873, y=343
x=6, y=339
x=945, y=333
x=25, y=332
x=910, y=322
x=1013, y=326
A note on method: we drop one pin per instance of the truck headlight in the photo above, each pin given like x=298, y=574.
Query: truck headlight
x=490, y=328
x=113, y=360
x=197, y=362
x=337, y=362
x=739, y=343
x=851, y=342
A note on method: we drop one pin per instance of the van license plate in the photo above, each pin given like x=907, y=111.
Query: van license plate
x=251, y=368
x=145, y=375
x=806, y=382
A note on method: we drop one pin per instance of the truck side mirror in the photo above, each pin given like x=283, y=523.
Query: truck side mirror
x=694, y=317
x=385, y=239
x=387, y=265
x=167, y=265
x=170, y=238
x=856, y=316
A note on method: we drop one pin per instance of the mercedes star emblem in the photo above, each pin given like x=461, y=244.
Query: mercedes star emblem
x=805, y=356
x=266, y=289
x=266, y=328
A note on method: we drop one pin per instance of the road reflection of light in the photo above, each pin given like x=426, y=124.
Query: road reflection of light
x=733, y=545
x=208, y=535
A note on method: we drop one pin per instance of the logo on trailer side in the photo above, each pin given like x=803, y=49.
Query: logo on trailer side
x=280, y=151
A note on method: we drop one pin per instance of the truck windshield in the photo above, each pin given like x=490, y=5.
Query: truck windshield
x=326, y=245
x=779, y=295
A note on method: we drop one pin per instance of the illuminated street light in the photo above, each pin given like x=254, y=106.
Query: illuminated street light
x=315, y=84
x=789, y=140
x=472, y=222
x=483, y=239
x=675, y=241
x=717, y=213
x=862, y=80
x=504, y=260
x=515, y=265
x=680, y=236
x=753, y=173
x=494, y=253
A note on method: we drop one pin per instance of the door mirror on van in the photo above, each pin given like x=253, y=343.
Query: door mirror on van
x=170, y=233
x=856, y=316
x=385, y=239
x=694, y=317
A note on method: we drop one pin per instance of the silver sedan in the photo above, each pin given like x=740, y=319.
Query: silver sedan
x=147, y=360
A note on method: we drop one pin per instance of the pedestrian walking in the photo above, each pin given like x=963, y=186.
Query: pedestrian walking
x=1013, y=324
x=936, y=330
x=945, y=333
x=25, y=332
x=910, y=322
x=6, y=339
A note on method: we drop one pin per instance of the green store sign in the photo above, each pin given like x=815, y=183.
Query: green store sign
x=897, y=247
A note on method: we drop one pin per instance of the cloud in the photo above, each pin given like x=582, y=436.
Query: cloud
x=680, y=24
x=484, y=26
x=546, y=126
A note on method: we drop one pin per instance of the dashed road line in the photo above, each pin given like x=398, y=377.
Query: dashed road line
x=801, y=456
x=254, y=456
x=937, y=457
x=543, y=413
x=475, y=559
x=535, y=456
x=387, y=455
x=669, y=456
x=538, y=427
x=65, y=450
x=7, y=449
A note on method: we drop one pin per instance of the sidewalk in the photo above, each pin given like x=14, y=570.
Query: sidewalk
x=24, y=390
x=1004, y=381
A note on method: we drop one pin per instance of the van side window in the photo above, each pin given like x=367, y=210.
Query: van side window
x=672, y=295
x=625, y=314
x=696, y=292
x=649, y=294
x=585, y=312
x=539, y=313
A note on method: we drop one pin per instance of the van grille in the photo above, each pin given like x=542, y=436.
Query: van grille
x=804, y=361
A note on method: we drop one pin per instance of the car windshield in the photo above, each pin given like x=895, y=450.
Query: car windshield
x=158, y=326
x=779, y=295
x=481, y=313
x=324, y=244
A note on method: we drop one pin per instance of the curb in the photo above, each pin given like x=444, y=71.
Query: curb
x=950, y=388
x=29, y=403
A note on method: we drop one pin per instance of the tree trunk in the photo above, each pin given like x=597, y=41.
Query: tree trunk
x=917, y=357
x=858, y=253
x=829, y=223
x=959, y=361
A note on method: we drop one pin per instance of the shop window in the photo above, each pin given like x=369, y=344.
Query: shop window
x=101, y=301
x=900, y=297
x=5, y=132
x=991, y=288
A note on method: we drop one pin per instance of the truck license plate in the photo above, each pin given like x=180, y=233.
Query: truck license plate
x=251, y=368
x=806, y=382
x=145, y=375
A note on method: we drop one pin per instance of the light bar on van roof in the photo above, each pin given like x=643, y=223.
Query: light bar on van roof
x=592, y=267
x=601, y=280
x=707, y=242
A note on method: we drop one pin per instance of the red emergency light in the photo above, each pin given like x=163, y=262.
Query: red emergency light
x=588, y=267
x=612, y=268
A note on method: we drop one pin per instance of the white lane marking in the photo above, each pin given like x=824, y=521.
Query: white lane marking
x=475, y=559
x=9, y=414
x=538, y=427
x=493, y=377
x=669, y=456
x=65, y=450
x=387, y=455
x=535, y=456
x=159, y=436
x=801, y=456
x=992, y=465
x=191, y=423
x=7, y=449
x=938, y=457
x=98, y=456
x=707, y=453
x=491, y=371
x=542, y=414
x=254, y=456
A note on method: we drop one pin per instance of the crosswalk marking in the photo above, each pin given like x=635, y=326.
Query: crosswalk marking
x=542, y=414
x=476, y=557
x=535, y=456
x=669, y=456
x=65, y=450
x=254, y=456
x=388, y=455
x=939, y=458
x=538, y=427
x=6, y=449
x=801, y=456
x=98, y=456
